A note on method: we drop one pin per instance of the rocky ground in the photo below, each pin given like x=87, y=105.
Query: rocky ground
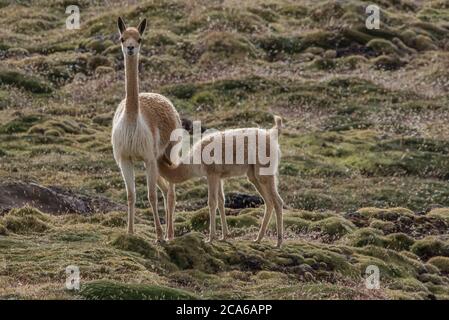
x=364, y=153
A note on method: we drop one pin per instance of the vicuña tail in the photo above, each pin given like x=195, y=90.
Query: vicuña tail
x=277, y=124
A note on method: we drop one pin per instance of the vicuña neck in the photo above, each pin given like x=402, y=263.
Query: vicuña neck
x=132, y=86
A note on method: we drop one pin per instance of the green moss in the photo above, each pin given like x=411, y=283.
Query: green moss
x=390, y=214
x=200, y=220
x=399, y=241
x=205, y=99
x=408, y=285
x=167, y=64
x=424, y=43
x=440, y=213
x=388, y=62
x=232, y=19
x=430, y=247
x=324, y=63
x=98, y=46
x=104, y=119
x=25, y=81
x=382, y=46
x=310, y=200
x=190, y=252
x=366, y=236
x=334, y=227
x=19, y=124
x=181, y=91
x=242, y=221
x=17, y=52
x=111, y=290
x=293, y=10
x=357, y=35
x=3, y=230
x=52, y=133
x=96, y=61
x=442, y=263
x=161, y=38
x=114, y=219
x=29, y=26
x=218, y=46
x=295, y=223
x=25, y=220
x=103, y=70
x=56, y=128
x=275, y=45
x=134, y=244
x=385, y=226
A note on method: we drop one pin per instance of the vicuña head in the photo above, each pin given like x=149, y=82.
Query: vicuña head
x=131, y=37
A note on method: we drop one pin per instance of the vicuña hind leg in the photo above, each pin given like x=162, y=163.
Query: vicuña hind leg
x=168, y=192
x=152, y=175
x=221, y=208
x=213, y=185
x=171, y=203
x=128, y=175
x=278, y=203
x=268, y=205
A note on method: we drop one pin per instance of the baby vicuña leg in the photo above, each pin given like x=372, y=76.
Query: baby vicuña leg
x=268, y=203
x=221, y=208
x=278, y=203
x=213, y=183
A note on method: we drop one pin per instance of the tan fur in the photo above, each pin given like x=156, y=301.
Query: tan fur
x=266, y=185
x=141, y=131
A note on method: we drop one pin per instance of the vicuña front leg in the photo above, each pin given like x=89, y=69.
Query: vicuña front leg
x=213, y=184
x=152, y=175
x=128, y=175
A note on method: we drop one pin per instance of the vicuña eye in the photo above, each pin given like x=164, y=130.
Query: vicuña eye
x=122, y=40
x=139, y=41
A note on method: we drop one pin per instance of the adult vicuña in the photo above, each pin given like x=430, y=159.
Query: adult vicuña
x=265, y=182
x=141, y=131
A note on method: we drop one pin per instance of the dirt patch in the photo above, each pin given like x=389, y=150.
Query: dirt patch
x=54, y=200
x=240, y=201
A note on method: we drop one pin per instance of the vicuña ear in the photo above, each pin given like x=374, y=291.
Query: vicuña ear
x=121, y=25
x=142, y=26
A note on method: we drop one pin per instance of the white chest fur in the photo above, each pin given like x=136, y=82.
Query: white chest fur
x=132, y=140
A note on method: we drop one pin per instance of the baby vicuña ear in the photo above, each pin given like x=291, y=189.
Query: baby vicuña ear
x=142, y=26
x=121, y=25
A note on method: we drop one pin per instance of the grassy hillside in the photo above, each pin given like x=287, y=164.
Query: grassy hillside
x=365, y=111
